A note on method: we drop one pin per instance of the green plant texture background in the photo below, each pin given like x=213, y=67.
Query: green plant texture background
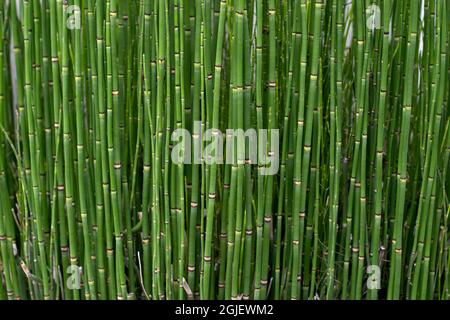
x=93, y=207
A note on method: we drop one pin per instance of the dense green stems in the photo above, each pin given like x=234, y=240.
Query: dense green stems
x=115, y=164
x=259, y=126
x=156, y=178
x=35, y=180
x=286, y=144
x=428, y=194
x=297, y=173
x=214, y=156
x=94, y=98
x=272, y=120
x=378, y=206
x=81, y=158
x=306, y=155
x=102, y=114
x=58, y=200
x=100, y=237
x=239, y=160
x=396, y=254
x=67, y=124
x=7, y=237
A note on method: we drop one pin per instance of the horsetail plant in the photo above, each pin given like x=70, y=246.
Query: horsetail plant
x=224, y=149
